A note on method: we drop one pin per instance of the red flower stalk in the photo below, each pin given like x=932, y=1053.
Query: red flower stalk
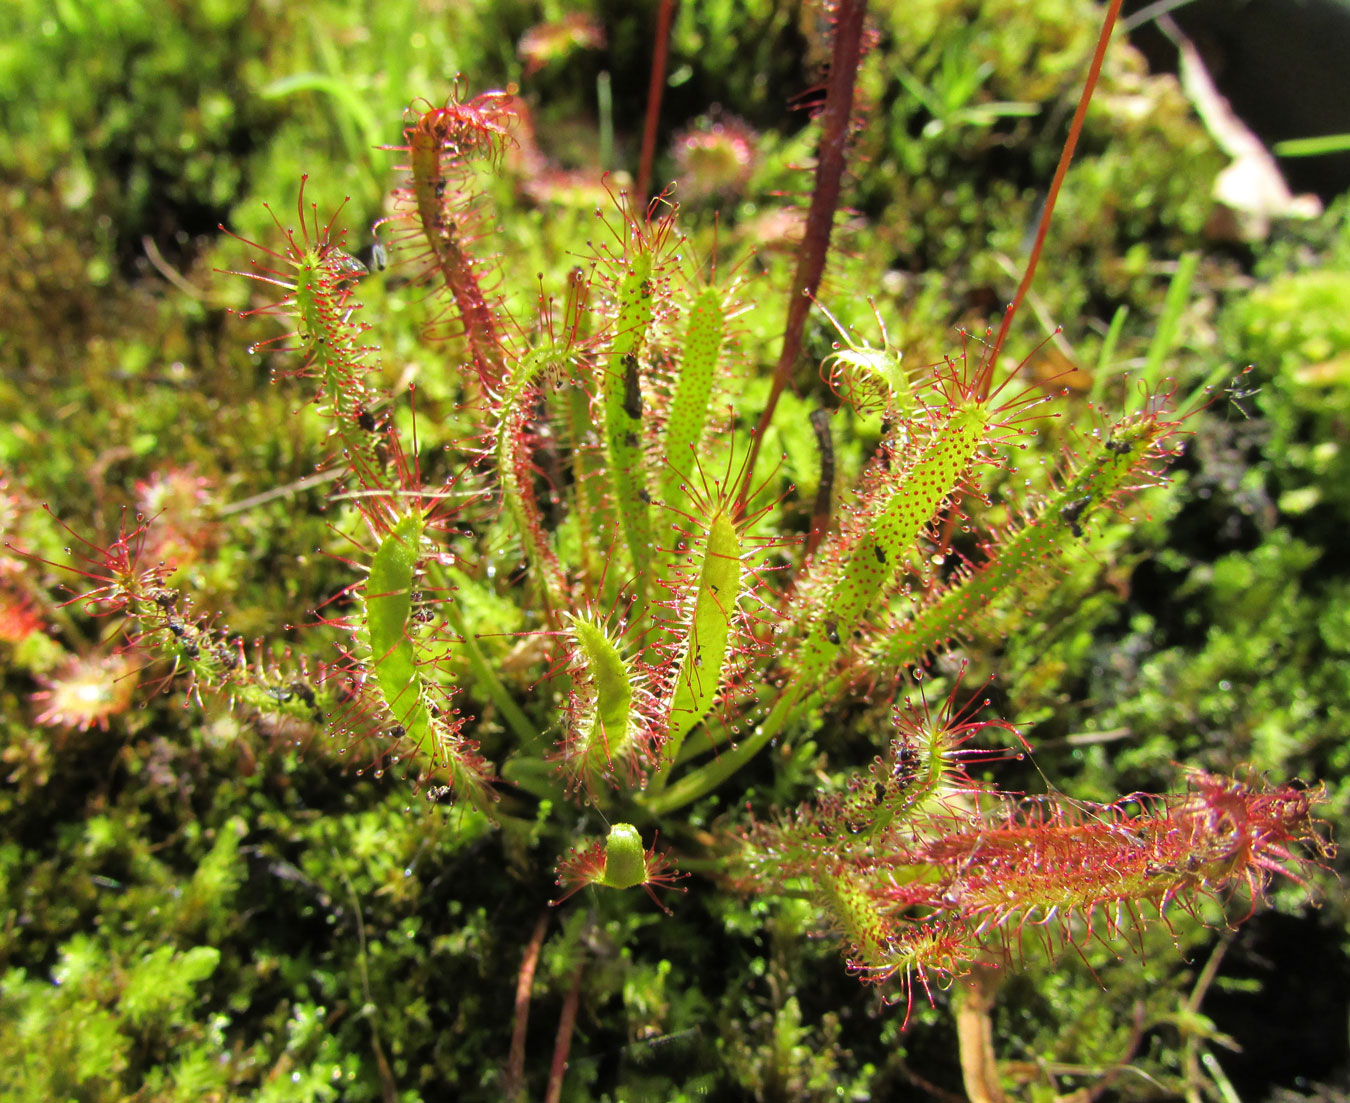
x=849, y=39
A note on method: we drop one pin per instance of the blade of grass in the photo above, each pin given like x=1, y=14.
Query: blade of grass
x=1165, y=336
x=1107, y=354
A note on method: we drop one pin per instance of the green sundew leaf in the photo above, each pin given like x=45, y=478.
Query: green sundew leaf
x=693, y=391
x=853, y=589
x=394, y=659
x=514, y=412
x=587, y=515
x=705, y=651
x=685, y=426
x=871, y=380
x=603, y=733
x=625, y=860
x=330, y=339
x=388, y=607
x=623, y=416
x=853, y=908
x=989, y=602
x=888, y=539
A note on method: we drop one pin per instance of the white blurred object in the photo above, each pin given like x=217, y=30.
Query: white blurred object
x=1251, y=189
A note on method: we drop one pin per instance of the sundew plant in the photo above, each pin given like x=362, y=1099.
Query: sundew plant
x=586, y=603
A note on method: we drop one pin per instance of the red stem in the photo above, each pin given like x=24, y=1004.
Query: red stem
x=515, y=1061
x=660, y=56
x=1075, y=128
x=566, y=1021
x=985, y=382
x=848, y=36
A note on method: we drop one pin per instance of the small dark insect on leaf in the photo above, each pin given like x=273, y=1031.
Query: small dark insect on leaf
x=630, y=440
x=420, y=613
x=439, y=794
x=632, y=388
x=820, y=513
x=880, y=553
x=644, y=496
x=906, y=767
x=343, y=265
x=1119, y=447
x=366, y=420
x=832, y=632
x=1073, y=512
x=820, y=422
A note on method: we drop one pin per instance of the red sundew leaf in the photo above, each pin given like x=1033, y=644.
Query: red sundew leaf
x=119, y=579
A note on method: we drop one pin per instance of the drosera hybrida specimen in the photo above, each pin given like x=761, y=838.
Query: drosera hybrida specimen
x=690, y=627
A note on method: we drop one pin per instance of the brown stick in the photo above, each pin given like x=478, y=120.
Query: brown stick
x=974, y=1007
x=655, y=90
x=848, y=36
x=515, y=1061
